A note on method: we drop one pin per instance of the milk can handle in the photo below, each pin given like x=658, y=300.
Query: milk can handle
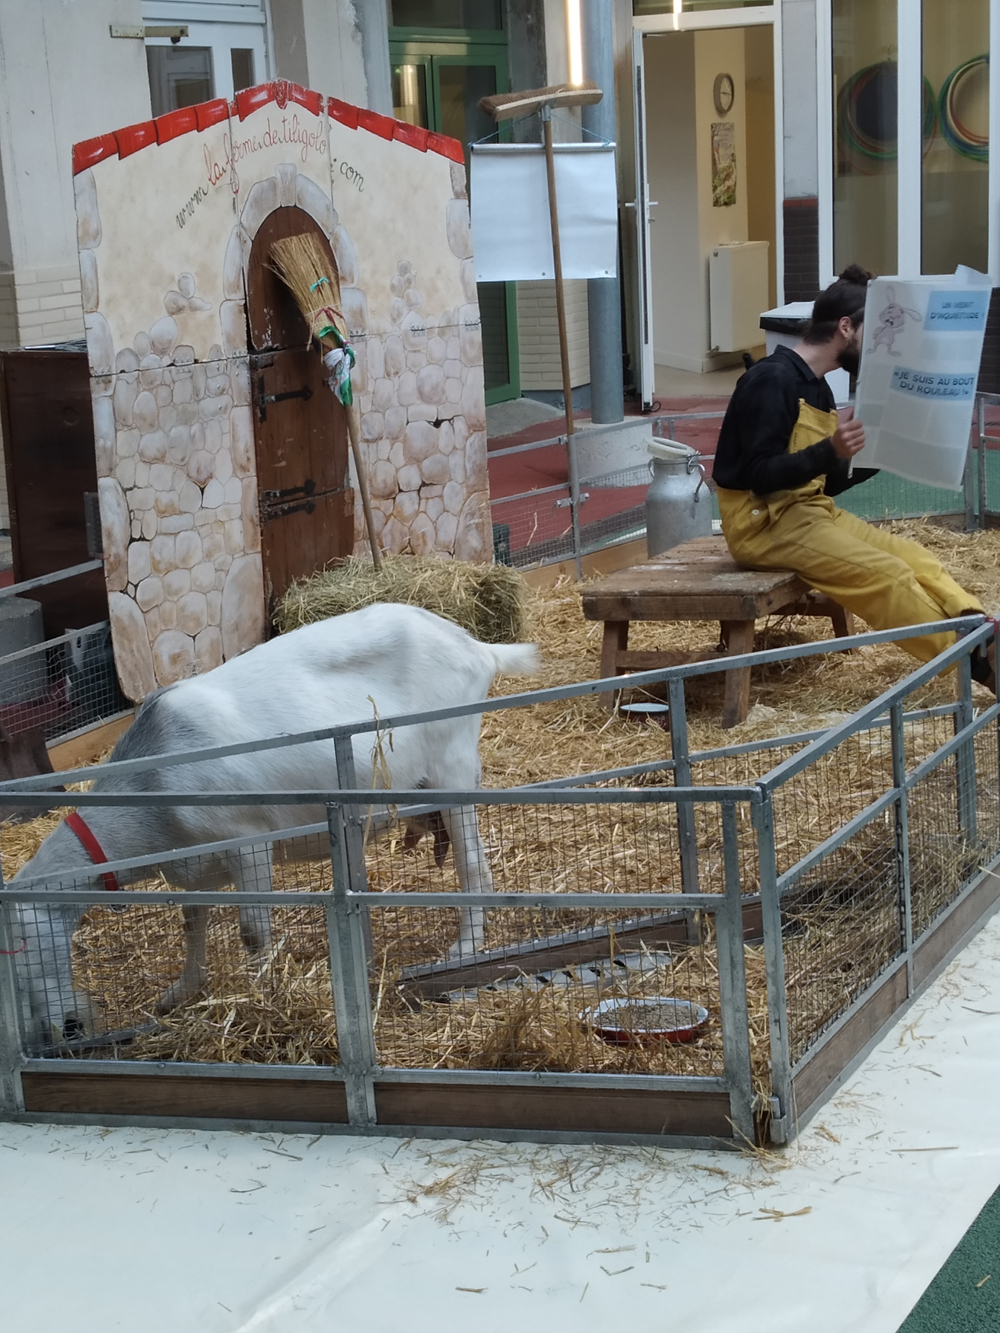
x=695, y=462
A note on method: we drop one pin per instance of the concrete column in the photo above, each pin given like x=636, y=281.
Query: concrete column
x=372, y=17
x=604, y=294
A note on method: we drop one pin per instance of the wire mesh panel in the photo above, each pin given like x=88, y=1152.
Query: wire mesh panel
x=533, y=528
x=944, y=848
x=559, y=932
x=630, y=847
x=61, y=685
x=841, y=927
x=230, y=982
x=587, y=996
x=827, y=794
x=613, y=507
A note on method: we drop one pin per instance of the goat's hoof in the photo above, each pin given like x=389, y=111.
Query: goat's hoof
x=179, y=993
x=253, y=940
x=73, y=1027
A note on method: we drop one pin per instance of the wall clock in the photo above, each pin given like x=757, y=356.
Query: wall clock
x=724, y=93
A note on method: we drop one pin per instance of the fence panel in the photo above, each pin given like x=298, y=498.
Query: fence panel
x=349, y=951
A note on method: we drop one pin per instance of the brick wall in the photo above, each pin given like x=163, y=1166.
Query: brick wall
x=8, y=311
x=41, y=305
x=801, y=226
x=538, y=335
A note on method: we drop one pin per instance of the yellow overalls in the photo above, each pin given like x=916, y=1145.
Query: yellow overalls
x=884, y=579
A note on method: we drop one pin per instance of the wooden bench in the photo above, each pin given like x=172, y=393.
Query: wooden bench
x=700, y=580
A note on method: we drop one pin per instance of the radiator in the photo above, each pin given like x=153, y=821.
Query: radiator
x=738, y=295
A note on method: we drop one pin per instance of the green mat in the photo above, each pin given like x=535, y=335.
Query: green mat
x=960, y=1300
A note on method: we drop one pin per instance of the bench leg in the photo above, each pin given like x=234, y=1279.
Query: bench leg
x=615, y=641
x=738, y=635
x=842, y=621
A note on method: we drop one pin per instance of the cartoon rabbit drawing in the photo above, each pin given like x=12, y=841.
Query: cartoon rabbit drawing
x=893, y=317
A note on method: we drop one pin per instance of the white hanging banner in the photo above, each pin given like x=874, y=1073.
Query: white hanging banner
x=511, y=231
x=922, y=347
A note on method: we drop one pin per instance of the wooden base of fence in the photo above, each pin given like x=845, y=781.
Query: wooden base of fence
x=89, y=745
x=833, y=1059
x=622, y=1113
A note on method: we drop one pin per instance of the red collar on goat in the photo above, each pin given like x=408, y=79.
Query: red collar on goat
x=94, y=849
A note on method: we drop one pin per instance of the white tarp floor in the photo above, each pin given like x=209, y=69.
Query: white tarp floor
x=161, y=1230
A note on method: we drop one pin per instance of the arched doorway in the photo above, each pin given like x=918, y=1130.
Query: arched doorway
x=300, y=429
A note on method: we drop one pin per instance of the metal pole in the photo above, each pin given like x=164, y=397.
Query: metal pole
x=682, y=778
x=372, y=18
x=11, y=1097
x=354, y=825
x=733, y=984
x=774, y=962
x=981, y=460
x=965, y=764
x=902, y=823
x=349, y=980
x=575, y=500
x=969, y=490
x=550, y=172
x=607, y=397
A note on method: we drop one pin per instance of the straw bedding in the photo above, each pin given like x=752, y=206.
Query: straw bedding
x=277, y=1008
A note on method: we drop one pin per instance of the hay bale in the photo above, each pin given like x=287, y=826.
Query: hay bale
x=487, y=600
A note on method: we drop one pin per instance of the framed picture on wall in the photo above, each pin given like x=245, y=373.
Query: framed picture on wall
x=723, y=164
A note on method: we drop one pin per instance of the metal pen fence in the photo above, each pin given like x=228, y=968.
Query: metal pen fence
x=575, y=517
x=797, y=891
x=63, y=684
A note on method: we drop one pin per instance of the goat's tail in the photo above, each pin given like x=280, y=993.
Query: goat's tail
x=515, y=659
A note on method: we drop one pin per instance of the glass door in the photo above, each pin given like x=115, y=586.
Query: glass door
x=440, y=87
x=906, y=168
x=214, y=60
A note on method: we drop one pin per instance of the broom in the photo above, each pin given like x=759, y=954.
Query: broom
x=301, y=265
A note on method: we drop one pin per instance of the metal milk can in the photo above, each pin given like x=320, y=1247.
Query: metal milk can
x=678, y=502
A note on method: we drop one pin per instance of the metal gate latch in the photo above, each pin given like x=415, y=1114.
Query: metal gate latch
x=264, y=398
x=278, y=504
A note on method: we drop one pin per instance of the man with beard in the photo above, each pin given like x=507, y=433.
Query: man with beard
x=783, y=452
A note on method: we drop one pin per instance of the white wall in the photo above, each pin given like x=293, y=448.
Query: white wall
x=681, y=70
x=318, y=43
x=63, y=78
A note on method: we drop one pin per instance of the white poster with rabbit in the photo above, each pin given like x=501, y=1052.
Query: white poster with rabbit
x=923, y=339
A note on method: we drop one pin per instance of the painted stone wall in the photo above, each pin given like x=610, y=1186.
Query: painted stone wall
x=167, y=213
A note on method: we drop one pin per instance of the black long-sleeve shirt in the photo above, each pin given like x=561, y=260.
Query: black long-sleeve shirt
x=752, y=453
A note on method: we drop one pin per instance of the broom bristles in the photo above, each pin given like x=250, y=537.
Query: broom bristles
x=314, y=282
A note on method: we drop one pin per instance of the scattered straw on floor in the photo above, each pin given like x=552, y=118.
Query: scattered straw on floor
x=487, y=600
x=277, y=1008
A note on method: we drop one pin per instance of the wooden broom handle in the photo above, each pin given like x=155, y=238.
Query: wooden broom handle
x=359, y=467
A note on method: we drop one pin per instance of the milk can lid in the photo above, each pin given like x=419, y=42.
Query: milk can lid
x=670, y=451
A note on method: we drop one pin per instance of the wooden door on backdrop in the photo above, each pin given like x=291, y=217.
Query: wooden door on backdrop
x=300, y=429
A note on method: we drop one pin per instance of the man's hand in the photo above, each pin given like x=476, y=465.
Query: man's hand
x=848, y=439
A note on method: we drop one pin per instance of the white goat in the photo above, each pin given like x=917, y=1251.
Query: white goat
x=401, y=659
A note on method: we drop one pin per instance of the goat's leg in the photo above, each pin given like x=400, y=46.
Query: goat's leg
x=251, y=872
x=191, y=980
x=474, y=875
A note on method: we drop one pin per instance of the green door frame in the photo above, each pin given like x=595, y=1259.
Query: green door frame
x=432, y=50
